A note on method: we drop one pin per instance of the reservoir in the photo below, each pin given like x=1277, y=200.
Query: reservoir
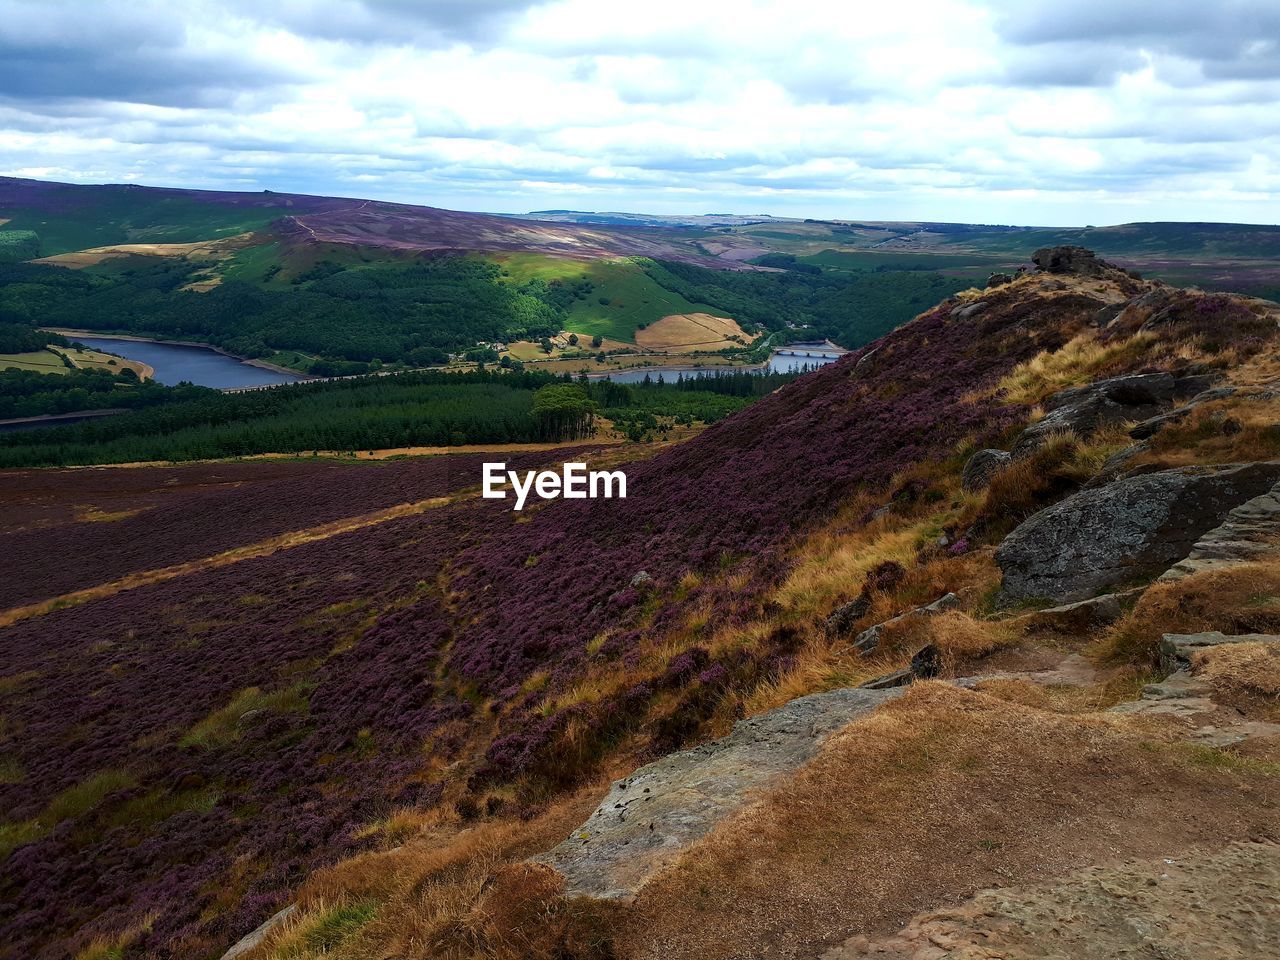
x=175, y=362
x=794, y=358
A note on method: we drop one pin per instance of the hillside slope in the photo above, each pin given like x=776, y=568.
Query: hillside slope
x=69, y=217
x=412, y=707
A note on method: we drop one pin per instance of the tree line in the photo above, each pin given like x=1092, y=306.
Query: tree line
x=421, y=408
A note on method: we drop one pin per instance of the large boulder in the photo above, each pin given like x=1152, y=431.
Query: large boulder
x=1069, y=259
x=1125, y=532
x=1084, y=410
x=981, y=467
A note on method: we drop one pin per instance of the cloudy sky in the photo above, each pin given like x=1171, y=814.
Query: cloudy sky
x=996, y=111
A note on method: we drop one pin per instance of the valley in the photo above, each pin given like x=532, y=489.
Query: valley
x=986, y=600
x=361, y=689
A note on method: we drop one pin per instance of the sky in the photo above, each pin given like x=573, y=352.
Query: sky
x=988, y=111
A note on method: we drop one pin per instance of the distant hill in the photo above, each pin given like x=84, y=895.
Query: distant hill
x=368, y=280
x=72, y=217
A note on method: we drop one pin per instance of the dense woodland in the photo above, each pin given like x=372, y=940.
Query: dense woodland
x=18, y=245
x=850, y=308
x=354, y=319
x=412, y=313
x=25, y=393
x=408, y=409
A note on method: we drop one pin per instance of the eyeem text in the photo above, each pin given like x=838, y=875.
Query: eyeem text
x=573, y=482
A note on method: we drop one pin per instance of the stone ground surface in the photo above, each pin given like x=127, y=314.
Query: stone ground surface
x=648, y=818
x=1251, y=531
x=1223, y=905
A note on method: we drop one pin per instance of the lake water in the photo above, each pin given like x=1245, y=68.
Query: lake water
x=175, y=362
x=796, y=358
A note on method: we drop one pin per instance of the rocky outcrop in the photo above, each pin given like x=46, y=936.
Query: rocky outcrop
x=870, y=638
x=1184, y=696
x=1085, y=410
x=254, y=939
x=1128, y=530
x=1071, y=259
x=648, y=818
x=981, y=467
x=925, y=664
x=1178, y=648
x=1251, y=531
x=967, y=311
x=1150, y=427
x=1083, y=615
x=843, y=617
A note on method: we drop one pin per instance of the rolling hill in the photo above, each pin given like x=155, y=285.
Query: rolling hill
x=587, y=274
x=365, y=691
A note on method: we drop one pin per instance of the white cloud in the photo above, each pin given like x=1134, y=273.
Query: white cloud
x=985, y=110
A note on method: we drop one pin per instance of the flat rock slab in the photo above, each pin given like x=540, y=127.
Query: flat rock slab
x=1220, y=905
x=1083, y=615
x=648, y=818
x=1182, y=646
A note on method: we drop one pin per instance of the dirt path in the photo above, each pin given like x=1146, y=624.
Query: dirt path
x=263, y=548
x=939, y=795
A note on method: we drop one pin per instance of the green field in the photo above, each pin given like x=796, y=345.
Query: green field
x=630, y=296
x=39, y=361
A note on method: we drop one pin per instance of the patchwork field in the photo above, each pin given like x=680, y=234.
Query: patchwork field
x=50, y=361
x=39, y=361
x=692, y=333
x=198, y=250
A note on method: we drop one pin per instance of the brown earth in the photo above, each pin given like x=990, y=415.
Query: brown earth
x=218, y=249
x=941, y=794
x=691, y=333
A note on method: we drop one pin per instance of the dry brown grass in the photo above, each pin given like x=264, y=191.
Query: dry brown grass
x=689, y=332
x=1058, y=467
x=1250, y=668
x=1244, y=598
x=1226, y=431
x=1124, y=685
x=1083, y=359
x=938, y=794
x=957, y=636
x=451, y=891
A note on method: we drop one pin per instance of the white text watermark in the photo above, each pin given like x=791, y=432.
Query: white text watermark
x=573, y=482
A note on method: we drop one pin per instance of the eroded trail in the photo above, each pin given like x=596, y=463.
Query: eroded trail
x=262, y=548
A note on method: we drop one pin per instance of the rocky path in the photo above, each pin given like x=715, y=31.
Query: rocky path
x=1224, y=905
x=648, y=818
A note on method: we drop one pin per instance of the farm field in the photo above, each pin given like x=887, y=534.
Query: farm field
x=37, y=361
x=50, y=361
x=692, y=333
